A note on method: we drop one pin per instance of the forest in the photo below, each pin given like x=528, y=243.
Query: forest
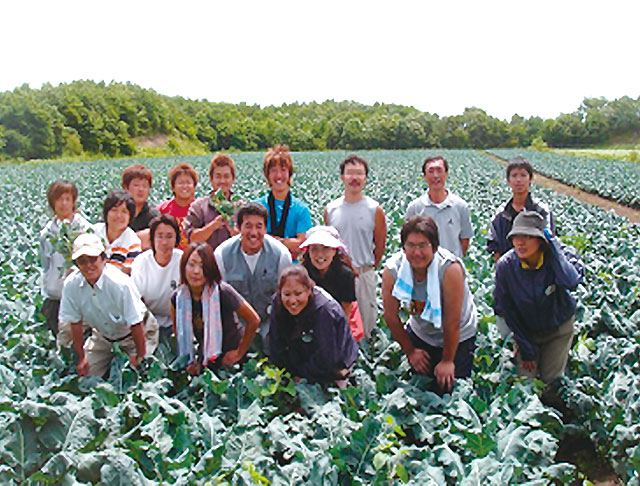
x=85, y=118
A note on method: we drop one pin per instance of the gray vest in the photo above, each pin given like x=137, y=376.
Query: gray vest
x=256, y=287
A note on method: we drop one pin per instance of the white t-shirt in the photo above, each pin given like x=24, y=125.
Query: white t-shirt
x=156, y=283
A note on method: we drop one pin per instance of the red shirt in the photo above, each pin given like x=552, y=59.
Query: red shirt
x=180, y=213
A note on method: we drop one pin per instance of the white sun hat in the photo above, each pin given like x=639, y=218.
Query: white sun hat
x=88, y=244
x=326, y=236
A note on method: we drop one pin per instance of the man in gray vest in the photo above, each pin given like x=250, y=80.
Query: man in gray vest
x=450, y=212
x=362, y=225
x=252, y=261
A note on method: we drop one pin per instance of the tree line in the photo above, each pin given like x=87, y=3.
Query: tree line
x=85, y=117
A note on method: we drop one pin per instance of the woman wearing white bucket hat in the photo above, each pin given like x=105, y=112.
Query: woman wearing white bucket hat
x=327, y=260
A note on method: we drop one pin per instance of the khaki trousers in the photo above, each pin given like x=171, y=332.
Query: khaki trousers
x=99, y=350
x=366, y=291
x=552, y=353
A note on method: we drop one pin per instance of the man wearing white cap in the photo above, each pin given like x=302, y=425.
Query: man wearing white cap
x=106, y=300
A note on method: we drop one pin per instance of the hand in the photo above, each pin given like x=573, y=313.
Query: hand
x=419, y=360
x=83, y=367
x=445, y=374
x=193, y=369
x=232, y=357
x=217, y=223
x=134, y=360
x=529, y=365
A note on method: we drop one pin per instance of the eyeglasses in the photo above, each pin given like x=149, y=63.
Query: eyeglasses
x=418, y=246
x=86, y=260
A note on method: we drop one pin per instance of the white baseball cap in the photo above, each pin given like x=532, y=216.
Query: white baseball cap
x=88, y=244
x=326, y=236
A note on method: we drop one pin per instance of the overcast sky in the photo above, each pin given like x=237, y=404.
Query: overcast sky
x=531, y=58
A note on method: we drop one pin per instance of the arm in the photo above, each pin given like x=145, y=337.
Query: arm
x=137, y=333
x=379, y=236
x=418, y=358
x=203, y=234
x=464, y=243
x=326, y=217
x=346, y=307
x=251, y=317
x=567, y=271
x=145, y=238
x=293, y=244
x=504, y=306
x=452, y=298
x=173, y=319
x=77, y=336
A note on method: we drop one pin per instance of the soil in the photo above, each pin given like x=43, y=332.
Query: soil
x=631, y=214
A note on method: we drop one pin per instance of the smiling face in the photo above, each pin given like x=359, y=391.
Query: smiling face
x=435, y=175
x=164, y=240
x=527, y=247
x=294, y=295
x=90, y=267
x=222, y=178
x=418, y=251
x=184, y=187
x=118, y=219
x=194, y=273
x=321, y=257
x=64, y=206
x=278, y=178
x=252, y=231
x=354, y=178
x=519, y=180
x=139, y=190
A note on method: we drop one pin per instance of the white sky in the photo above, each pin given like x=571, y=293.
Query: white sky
x=531, y=58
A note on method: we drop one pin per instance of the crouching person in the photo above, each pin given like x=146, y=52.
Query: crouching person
x=309, y=332
x=430, y=283
x=106, y=300
x=533, y=281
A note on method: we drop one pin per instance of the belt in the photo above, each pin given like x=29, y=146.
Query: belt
x=116, y=340
x=362, y=269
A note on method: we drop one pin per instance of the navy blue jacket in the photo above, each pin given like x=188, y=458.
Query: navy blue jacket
x=534, y=301
x=314, y=345
x=502, y=222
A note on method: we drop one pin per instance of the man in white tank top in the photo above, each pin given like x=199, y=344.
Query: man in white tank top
x=362, y=225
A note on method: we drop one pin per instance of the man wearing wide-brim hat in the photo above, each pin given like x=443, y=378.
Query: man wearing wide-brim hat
x=106, y=300
x=533, y=281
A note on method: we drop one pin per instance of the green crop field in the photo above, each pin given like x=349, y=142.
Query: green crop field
x=254, y=426
x=617, y=180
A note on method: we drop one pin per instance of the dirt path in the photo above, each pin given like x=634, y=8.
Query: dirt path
x=631, y=214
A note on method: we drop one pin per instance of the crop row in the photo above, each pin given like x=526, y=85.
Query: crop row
x=617, y=180
x=256, y=426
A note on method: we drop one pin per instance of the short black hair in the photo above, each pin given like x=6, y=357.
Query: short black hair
x=434, y=158
x=519, y=162
x=354, y=159
x=423, y=225
x=116, y=198
x=252, y=208
x=163, y=219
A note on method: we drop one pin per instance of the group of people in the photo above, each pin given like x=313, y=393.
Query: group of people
x=212, y=282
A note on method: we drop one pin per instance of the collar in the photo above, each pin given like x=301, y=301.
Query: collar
x=537, y=266
x=428, y=202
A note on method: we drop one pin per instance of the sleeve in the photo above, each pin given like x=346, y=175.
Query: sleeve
x=137, y=275
x=217, y=254
x=69, y=309
x=466, y=228
x=493, y=236
x=347, y=285
x=194, y=219
x=568, y=270
x=304, y=223
x=285, y=260
x=504, y=306
x=132, y=306
x=229, y=297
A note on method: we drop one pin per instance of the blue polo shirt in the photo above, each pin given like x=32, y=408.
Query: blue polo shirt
x=298, y=220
